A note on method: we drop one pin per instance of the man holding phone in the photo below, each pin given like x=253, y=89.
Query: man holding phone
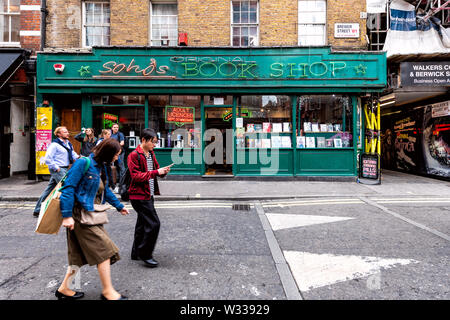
x=144, y=170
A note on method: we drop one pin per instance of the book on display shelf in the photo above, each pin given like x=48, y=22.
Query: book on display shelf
x=329, y=143
x=277, y=127
x=266, y=127
x=286, y=127
x=337, y=143
x=250, y=127
x=315, y=127
x=307, y=126
x=329, y=127
x=320, y=142
x=265, y=143
x=310, y=142
x=285, y=142
x=301, y=141
x=258, y=127
x=276, y=141
x=323, y=127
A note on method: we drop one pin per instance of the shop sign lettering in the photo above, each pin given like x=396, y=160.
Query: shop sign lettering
x=112, y=67
x=219, y=68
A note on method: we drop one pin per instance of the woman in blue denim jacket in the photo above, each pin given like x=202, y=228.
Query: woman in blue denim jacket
x=89, y=244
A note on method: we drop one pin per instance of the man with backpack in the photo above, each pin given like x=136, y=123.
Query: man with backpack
x=144, y=170
x=58, y=157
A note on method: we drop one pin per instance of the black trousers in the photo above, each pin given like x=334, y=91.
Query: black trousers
x=147, y=229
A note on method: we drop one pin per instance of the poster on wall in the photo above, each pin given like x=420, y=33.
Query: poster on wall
x=180, y=115
x=436, y=140
x=43, y=137
x=406, y=143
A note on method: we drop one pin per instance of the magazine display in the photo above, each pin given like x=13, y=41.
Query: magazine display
x=266, y=127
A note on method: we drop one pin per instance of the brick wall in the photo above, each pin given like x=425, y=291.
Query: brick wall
x=207, y=23
x=346, y=11
x=30, y=22
x=63, y=24
x=278, y=22
x=129, y=22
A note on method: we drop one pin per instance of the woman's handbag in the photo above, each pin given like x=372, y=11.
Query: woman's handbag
x=96, y=217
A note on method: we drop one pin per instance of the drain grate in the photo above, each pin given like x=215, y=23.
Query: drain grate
x=241, y=207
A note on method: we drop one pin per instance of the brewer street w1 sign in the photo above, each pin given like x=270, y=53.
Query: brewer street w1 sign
x=425, y=73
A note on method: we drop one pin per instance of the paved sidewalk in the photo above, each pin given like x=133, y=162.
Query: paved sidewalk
x=395, y=184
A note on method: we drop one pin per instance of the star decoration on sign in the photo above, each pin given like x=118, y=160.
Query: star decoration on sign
x=84, y=70
x=361, y=69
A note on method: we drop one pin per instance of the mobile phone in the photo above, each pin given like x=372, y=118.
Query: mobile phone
x=170, y=165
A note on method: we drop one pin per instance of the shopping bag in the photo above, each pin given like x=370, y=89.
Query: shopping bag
x=50, y=217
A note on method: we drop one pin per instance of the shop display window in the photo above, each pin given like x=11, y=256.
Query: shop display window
x=131, y=120
x=324, y=121
x=264, y=122
x=168, y=113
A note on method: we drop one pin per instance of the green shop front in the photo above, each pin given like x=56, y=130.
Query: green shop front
x=221, y=111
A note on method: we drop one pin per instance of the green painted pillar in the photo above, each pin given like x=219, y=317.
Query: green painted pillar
x=86, y=112
x=294, y=135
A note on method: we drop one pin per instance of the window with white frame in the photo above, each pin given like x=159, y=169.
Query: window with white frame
x=312, y=19
x=164, y=24
x=9, y=21
x=96, y=23
x=244, y=23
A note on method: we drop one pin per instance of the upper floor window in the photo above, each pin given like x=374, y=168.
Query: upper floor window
x=9, y=21
x=244, y=23
x=96, y=23
x=312, y=19
x=164, y=24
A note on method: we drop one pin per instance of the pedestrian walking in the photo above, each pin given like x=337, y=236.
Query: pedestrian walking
x=58, y=157
x=106, y=134
x=89, y=244
x=144, y=170
x=88, y=141
x=116, y=134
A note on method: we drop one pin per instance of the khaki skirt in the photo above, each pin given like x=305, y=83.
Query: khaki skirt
x=89, y=244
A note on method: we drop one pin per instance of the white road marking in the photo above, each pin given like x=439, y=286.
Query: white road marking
x=312, y=203
x=285, y=221
x=312, y=270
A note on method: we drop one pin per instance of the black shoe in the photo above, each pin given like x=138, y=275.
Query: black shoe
x=134, y=257
x=121, y=297
x=62, y=296
x=151, y=263
x=36, y=214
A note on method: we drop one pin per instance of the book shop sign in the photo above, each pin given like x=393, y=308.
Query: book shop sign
x=425, y=73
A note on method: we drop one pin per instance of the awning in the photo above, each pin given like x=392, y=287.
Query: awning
x=9, y=61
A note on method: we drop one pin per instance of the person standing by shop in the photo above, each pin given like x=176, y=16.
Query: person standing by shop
x=58, y=157
x=144, y=170
x=116, y=134
x=88, y=141
x=89, y=244
x=106, y=134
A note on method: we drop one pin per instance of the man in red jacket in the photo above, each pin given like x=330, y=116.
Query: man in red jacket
x=144, y=170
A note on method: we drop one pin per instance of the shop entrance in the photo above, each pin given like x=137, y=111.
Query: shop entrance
x=219, y=119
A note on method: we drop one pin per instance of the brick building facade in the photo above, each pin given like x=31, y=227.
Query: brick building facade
x=207, y=23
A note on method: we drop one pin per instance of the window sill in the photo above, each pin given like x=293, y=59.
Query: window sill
x=10, y=44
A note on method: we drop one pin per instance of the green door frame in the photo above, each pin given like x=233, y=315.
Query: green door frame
x=203, y=112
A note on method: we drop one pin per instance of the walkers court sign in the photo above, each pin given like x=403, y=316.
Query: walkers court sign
x=214, y=67
x=425, y=73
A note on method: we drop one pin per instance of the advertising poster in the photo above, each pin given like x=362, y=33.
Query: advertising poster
x=43, y=137
x=436, y=140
